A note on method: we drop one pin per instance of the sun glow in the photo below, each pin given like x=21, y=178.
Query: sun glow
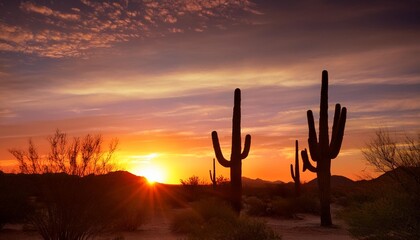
x=152, y=174
x=148, y=169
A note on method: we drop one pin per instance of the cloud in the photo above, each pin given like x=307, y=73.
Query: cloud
x=43, y=10
x=14, y=35
x=96, y=24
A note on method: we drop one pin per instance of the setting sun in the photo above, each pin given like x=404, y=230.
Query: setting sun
x=152, y=174
x=147, y=168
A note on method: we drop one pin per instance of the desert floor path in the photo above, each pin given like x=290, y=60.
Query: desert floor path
x=305, y=227
x=156, y=227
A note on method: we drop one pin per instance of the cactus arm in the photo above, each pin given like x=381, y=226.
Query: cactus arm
x=297, y=161
x=312, y=140
x=219, y=155
x=336, y=142
x=323, y=139
x=306, y=163
x=335, y=123
x=211, y=177
x=247, y=146
x=292, y=172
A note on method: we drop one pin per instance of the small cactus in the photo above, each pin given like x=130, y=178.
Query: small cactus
x=323, y=151
x=295, y=173
x=235, y=163
x=213, y=176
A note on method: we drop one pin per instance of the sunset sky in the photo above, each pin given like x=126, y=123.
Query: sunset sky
x=160, y=76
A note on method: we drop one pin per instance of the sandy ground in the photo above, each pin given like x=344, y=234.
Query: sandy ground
x=157, y=227
x=308, y=228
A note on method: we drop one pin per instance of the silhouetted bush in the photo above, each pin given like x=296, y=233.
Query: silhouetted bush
x=241, y=229
x=212, y=219
x=395, y=215
x=390, y=208
x=270, y=191
x=255, y=206
x=307, y=204
x=15, y=199
x=60, y=206
x=282, y=207
x=69, y=209
x=212, y=208
x=186, y=222
x=399, y=159
x=194, y=188
x=81, y=156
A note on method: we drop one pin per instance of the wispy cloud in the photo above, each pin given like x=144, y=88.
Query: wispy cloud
x=82, y=26
x=46, y=11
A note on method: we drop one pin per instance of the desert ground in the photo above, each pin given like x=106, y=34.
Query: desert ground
x=303, y=227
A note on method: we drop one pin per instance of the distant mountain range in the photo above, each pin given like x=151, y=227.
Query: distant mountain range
x=336, y=181
x=249, y=182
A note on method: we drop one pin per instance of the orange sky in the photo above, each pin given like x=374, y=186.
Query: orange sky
x=160, y=77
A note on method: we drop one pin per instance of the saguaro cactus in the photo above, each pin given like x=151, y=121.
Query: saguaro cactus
x=295, y=173
x=213, y=176
x=235, y=163
x=323, y=151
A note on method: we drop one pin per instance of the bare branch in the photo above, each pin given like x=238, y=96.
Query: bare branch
x=83, y=156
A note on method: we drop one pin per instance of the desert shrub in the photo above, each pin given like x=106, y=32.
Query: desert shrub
x=269, y=191
x=255, y=206
x=14, y=199
x=284, y=207
x=79, y=156
x=186, y=222
x=213, y=208
x=241, y=229
x=392, y=216
x=193, y=181
x=194, y=188
x=391, y=210
x=306, y=204
x=72, y=207
x=212, y=219
x=359, y=196
x=249, y=228
x=400, y=159
x=222, y=180
x=203, y=211
x=131, y=218
x=63, y=210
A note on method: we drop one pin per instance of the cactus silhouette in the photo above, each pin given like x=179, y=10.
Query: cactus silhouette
x=213, y=176
x=295, y=173
x=235, y=163
x=323, y=151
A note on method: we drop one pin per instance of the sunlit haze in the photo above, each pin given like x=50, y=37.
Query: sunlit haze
x=160, y=77
x=144, y=166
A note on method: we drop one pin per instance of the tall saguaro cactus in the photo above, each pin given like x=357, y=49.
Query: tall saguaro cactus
x=235, y=163
x=323, y=150
x=295, y=173
x=213, y=176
